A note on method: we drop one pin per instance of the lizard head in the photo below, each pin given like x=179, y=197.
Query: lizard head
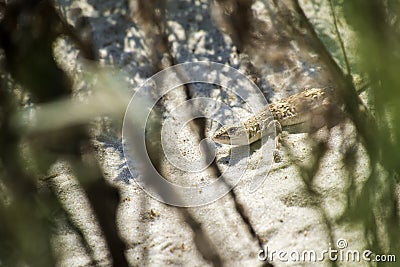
x=231, y=136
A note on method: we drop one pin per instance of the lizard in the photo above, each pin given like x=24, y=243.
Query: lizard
x=305, y=111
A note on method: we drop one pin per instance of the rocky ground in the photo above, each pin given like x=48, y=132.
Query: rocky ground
x=283, y=212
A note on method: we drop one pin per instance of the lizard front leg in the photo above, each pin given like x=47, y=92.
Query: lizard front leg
x=278, y=139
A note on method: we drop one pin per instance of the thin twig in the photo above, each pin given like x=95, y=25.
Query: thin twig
x=348, y=69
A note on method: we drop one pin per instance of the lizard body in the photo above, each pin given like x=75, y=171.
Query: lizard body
x=305, y=109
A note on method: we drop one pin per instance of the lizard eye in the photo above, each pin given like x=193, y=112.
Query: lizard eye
x=231, y=131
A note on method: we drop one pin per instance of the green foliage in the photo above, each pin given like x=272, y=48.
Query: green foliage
x=376, y=26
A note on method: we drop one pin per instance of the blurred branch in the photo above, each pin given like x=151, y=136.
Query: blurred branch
x=151, y=17
x=27, y=34
x=376, y=25
x=364, y=122
x=348, y=69
x=289, y=19
x=22, y=220
x=375, y=139
x=236, y=17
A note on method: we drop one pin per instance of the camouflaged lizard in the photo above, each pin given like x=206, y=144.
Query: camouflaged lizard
x=304, y=111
